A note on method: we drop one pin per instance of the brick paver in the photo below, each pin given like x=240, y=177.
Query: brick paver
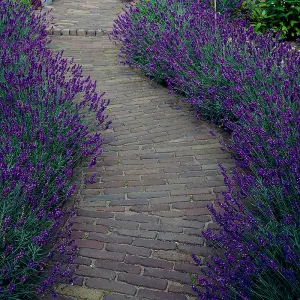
x=92, y=15
x=139, y=223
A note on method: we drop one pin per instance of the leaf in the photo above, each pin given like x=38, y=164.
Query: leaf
x=280, y=8
x=284, y=28
x=257, y=26
x=293, y=22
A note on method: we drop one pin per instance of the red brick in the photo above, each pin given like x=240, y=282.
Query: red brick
x=168, y=274
x=150, y=208
x=188, y=268
x=187, y=239
x=85, y=220
x=111, y=209
x=88, y=271
x=89, y=244
x=117, y=266
x=156, y=295
x=169, y=214
x=136, y=218
x=154, y=244
x=190, y=192
x=147, y=195
x=148, y=262
x=90, y=227
x=129, y=202
x=191, y=205
x=82, y=261
x=77, y=234
x=200, y=219
x=109, y=285
x=170, y=200
x=137, y=233
x=194, y=231
x=143, y=281
x=199, y=250
x=181, y=289
x=110, y=238
x=94, y=214
x=159, y=227
x=181, y=223
x=204, y=197
x=129, y=249
x=118, y=224
x=101, y=254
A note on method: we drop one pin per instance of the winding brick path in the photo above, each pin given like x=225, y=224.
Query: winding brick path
x=138, y=225
x=85, y=14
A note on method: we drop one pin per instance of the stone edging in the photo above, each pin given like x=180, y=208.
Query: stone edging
x=103, y=32
x=77, y=32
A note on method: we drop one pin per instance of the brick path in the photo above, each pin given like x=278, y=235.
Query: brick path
x=138, y=225
x=85, y=14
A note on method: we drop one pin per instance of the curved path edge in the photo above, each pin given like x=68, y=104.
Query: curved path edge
x=138, y=225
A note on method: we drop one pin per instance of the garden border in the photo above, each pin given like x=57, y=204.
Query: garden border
x=76, y=32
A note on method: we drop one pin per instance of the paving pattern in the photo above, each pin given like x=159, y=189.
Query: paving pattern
x=138, y=225
x=85, y=14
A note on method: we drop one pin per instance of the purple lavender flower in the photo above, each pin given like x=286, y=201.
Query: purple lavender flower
x=11, y=287
x=248, y=83
x=42, y=138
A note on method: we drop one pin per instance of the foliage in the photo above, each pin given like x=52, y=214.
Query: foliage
x=42, y=137
x=155, y=17
x=280, y=15
x=189, y=50
x=249, y=83
x=260, y=239
x=26, y=2
x=227, y=5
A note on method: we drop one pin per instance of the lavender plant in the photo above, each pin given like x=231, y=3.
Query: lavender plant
x=194, y=52
x=146, y=22
x=249, y=83
x=260, y=240
x=43, y=135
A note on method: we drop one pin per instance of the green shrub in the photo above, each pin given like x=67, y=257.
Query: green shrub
x=279, y=15
x=226, y=69
x=43, y=136
x=227, y=5
x=26, y=2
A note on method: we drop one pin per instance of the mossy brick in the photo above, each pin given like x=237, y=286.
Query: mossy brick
x=80, y=293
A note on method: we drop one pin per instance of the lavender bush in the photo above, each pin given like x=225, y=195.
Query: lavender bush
x=261, y=244
x=249, y=83
x=195, y=54
x=42, y=137
x=145, y=23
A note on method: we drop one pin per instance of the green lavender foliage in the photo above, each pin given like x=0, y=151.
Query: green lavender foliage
x=42, y=137
x=249, y=82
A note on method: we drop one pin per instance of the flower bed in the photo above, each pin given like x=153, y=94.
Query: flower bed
x=248, y=83
x=42, y=137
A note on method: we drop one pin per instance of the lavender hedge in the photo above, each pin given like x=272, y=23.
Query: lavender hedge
x=43, y=135
x=249, y=84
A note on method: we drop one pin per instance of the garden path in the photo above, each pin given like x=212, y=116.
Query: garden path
x=139, y=223
x=85, y=14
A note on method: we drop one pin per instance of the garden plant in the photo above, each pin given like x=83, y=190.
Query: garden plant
x=248, y=83
x=43, y=136
x=278, y=15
